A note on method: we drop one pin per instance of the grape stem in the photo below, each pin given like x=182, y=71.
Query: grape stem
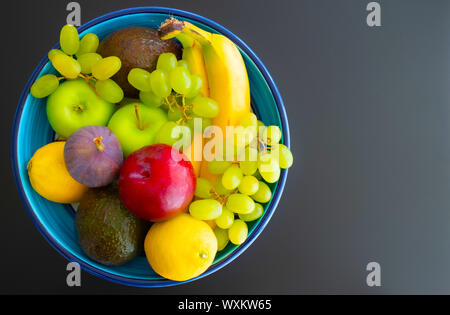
x=88, y=81
x=222, y=199
x=169, y=104
x=183, y=108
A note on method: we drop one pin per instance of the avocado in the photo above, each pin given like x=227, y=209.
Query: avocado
x=137, y=47
x=107, y=231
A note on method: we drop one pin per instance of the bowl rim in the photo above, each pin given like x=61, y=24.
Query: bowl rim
x=261, y=225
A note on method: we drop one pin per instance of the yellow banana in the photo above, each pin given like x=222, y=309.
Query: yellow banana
x=226, y=72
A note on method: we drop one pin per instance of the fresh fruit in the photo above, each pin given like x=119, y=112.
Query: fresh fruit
x=263, y=194
x=218, y=167
x=69, y=39
x=232, y=177
x=66, y=66
x=150, y=99
x=49, y=176
x=226, y=219
x=74, y=105
x=249, y=185
x=272, y=135
x=249, y=120
x=193, y=151
x=159, y=82
x=226, y=72
x=52, y=53
x=88, y=44
x=137, y=47
x=180, y=80
x=156, y=182
x=181, y=248
x=44, y=86
x=238, y=232
x=169, y=133
x=203, y=189
x=136, y=126
x=249, y=163
x=220, y=189
x=205, y=107
x=254, y=215
x=211, y=223
x=108, y=232
x=183, y=63
x=239, y=203
x=140, y=79
x=169, y=87
x=106, y=67
x=196, y=86
x=166, y=62
x=268, y=167
x=93, y=156
x=175, y=114
x=109, y=90
x=193, y=60
x=87, y=61
x=206, y=209
x=285, y=158
x=222, y=238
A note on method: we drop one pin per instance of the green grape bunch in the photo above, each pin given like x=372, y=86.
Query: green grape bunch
x=172, y=86
x=242, y=187
x=230, y=208
x=78, y=58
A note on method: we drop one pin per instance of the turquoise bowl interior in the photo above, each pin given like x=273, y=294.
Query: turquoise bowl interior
x=31, y=131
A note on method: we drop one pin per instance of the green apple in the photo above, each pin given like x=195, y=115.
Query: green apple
x=74, y=105
x=136, y=126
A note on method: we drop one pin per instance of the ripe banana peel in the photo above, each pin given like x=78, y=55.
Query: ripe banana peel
x=226, y=73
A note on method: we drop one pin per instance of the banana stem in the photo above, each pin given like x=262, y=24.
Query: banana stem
x=174, y=28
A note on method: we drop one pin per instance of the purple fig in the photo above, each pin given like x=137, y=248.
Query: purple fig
x=93, y=156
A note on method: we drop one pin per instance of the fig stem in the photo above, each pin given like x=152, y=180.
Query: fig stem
x=99, y=144
x=136, y=110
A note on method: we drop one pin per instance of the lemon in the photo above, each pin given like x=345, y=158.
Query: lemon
x=49, y=176
x=180, y=248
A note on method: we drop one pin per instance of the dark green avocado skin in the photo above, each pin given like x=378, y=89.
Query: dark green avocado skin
x=107, y=231
x=137, y=47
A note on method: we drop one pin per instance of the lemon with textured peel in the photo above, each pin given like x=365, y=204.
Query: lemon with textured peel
x=180, y=248
x=49, y=176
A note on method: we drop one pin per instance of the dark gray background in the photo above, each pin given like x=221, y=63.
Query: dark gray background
x=369, y=113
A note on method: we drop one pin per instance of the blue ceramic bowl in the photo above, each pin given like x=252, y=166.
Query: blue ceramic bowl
x=31, y=131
